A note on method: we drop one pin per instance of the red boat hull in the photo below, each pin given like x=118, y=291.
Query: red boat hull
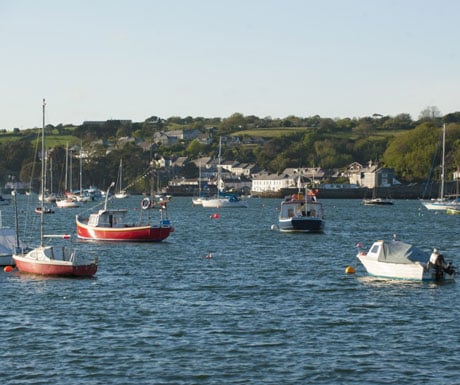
x=67, y=270
x=123, y=234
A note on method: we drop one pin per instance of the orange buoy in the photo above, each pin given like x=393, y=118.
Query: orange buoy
x=350, y=270
x=8, y=269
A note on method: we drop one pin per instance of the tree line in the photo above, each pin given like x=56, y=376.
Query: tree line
x=410, y=147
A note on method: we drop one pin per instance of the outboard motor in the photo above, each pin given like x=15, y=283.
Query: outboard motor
x=450, y=269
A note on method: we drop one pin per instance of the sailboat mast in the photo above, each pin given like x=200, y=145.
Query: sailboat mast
x=81, y=173
x=66, y=166
x=443, y=159
x=121, y=174
x=42, y=211
x=51, y=176
x=219, y=167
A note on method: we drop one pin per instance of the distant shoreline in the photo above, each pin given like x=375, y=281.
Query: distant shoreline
x=412, y=191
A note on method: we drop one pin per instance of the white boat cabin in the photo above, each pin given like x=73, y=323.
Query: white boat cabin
x=297, y=206
x=108, y=218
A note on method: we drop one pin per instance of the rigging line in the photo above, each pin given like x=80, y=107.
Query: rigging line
x=146, y=173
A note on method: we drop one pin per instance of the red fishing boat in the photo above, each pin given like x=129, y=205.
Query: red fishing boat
x=112, y=225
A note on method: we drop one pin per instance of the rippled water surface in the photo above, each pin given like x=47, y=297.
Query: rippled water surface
x=267, y=308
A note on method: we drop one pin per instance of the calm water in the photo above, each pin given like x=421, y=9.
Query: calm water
x=267, y=308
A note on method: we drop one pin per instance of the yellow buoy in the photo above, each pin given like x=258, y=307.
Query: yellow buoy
x=350, y=270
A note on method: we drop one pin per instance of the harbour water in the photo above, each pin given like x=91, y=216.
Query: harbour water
x=230, y=301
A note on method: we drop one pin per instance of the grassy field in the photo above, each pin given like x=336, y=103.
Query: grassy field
x=275, y=132
x=50, y=140
x=54, y=140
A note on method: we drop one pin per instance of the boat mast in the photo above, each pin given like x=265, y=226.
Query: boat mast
x=51, y=176
x=81, y=172
x=120, y=176
x=443, y=159
x=219, y=167
x=16, y=223
x=199, y=178
x=66, y=166
x=42, y=211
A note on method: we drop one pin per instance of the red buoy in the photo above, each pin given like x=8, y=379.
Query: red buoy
x=8, y=269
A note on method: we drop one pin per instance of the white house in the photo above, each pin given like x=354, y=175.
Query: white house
x=272, y=182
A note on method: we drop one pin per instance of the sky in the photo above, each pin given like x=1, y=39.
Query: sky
x=112, y=59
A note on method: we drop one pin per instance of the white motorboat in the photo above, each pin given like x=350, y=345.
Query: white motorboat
x=67, y=203
x=224, y=201
x=399, y=260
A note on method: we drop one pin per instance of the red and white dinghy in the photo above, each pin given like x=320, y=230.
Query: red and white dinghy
x=112, y=225
x=51, y=260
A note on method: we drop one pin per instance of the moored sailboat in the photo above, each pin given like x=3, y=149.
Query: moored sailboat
x=223, y=199
x=442, y=202
x=52, y=259
x=68, y=201
x=120, y=193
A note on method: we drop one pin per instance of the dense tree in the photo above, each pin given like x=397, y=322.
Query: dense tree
x=13, y=155
x=454, y=117
x=411, y=153
x=233, y=123
x=195, y=148
x=399, y=122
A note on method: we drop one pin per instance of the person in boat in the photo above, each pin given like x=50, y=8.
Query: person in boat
x=302, y=209
x=439, y=263
x=437, y=259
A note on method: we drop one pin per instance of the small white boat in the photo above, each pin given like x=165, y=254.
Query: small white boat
x=67, y=203
x=226, y=201
x=49, y=198
x=440, y=204
x=121, y=194
x=400, y=260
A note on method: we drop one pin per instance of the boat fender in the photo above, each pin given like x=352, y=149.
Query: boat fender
x=146, y=203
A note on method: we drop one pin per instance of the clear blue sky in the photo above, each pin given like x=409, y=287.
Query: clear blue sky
x=110, y=59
